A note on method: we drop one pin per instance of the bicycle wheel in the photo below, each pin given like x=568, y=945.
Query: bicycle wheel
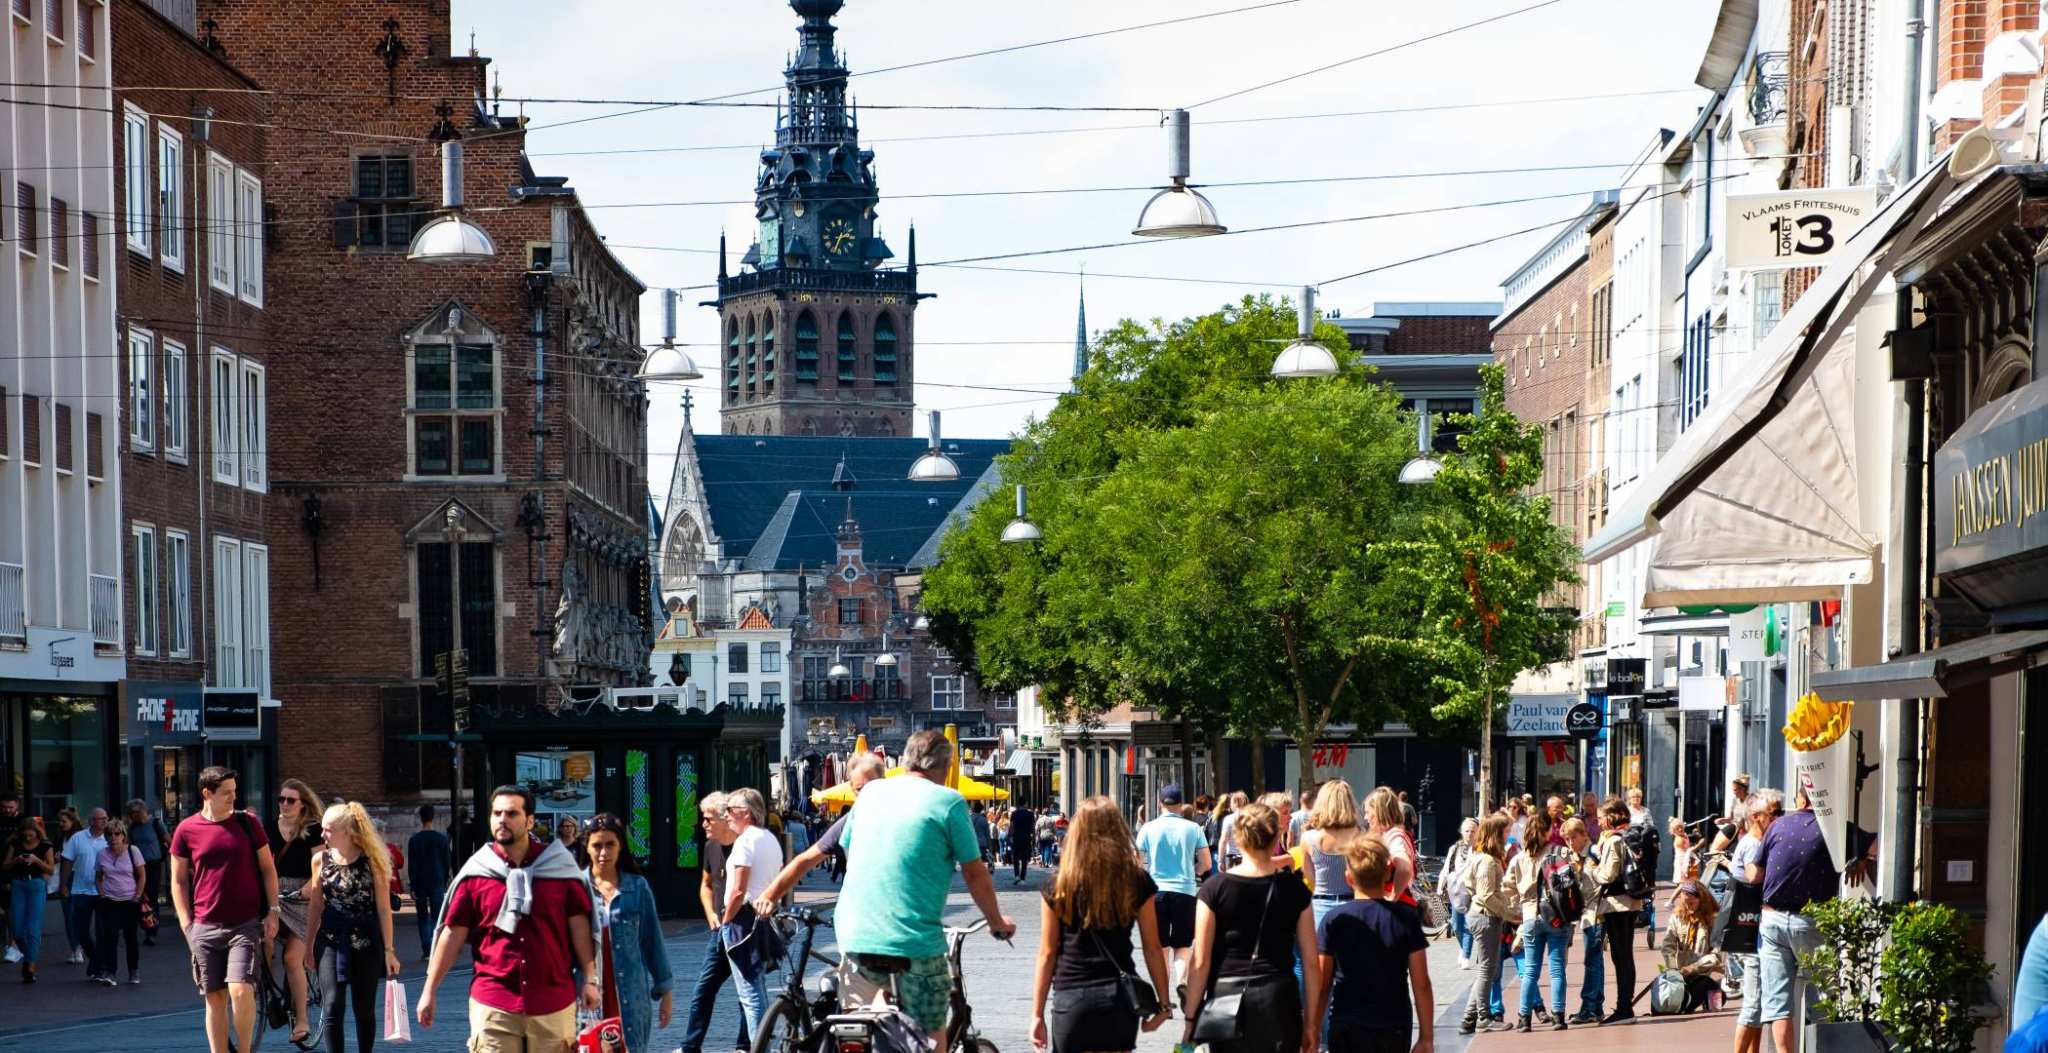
x=783, y=1028
x=978, y=1045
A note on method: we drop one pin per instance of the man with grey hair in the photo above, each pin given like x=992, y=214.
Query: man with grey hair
x=750, y=866
x=865, y=768
x=903, y=842
x=717, y=969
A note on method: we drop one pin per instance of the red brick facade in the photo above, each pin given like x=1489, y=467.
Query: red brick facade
x=369, y=476
x=1439, y=335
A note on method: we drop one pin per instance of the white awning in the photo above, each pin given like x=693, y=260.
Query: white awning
x=1756, y=502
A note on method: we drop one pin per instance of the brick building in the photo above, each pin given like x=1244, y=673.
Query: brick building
x=457, y=453
x=1430, y=353
x=1545, y=341
x=197, y=366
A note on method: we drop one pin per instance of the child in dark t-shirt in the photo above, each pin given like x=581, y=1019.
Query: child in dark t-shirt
x=1372, y=951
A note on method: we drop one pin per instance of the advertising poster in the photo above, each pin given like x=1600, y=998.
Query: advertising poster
x=1824, y=766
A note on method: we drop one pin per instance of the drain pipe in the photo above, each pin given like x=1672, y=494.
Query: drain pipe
x=1900, y=846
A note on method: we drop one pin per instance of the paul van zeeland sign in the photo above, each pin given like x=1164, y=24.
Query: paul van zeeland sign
x=1794, y=228
x=1991, y=502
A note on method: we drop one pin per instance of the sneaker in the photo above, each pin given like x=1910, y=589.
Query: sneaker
x=1542, y=1015
x=134, y=980
x=1560, y=1025
x=1619, y=1016
x=1464, y=962
x=1498, y=1024
x=1586, y=1016
x=1522, y=1024
x=76, y=958
x=1465, y=1028
x=106, y=980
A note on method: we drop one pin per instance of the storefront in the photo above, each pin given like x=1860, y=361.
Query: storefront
x=648, y=767
x=162, y=746
x=57, y=747
x=1541, y=757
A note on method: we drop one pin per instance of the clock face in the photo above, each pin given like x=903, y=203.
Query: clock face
x=839, y=237
x=771, y=241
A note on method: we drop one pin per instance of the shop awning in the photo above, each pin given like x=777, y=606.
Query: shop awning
x=1935, y=673
x=1756, y=501
x=1019, y=762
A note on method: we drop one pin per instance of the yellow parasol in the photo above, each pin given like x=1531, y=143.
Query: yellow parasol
x=841, y=796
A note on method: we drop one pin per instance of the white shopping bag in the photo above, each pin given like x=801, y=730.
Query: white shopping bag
x=397, y=1013
x=13, y=954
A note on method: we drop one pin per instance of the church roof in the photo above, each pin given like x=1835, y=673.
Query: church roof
x=772, y=502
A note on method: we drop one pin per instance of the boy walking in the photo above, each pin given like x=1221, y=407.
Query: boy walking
x=1373, y=953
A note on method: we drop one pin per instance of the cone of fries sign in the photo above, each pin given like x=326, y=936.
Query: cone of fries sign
x=1824, y=765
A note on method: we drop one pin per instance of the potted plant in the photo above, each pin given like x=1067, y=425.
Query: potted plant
x=1844, y=975
x=1931, y=978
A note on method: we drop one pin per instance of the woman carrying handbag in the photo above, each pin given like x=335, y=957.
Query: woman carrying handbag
x=1084, y=950
x=1251, y=921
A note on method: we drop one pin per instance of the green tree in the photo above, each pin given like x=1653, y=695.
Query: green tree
x=1489, y=558
x=1187, y=399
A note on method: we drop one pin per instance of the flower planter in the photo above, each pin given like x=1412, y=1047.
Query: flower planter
x=1862, y=1036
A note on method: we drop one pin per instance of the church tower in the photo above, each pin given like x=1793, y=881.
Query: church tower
x=817, y=335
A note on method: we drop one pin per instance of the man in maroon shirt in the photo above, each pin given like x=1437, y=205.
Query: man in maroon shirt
x=224, y=887
x=525, y=909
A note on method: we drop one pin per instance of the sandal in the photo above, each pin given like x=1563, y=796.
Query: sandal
x=304, y=1040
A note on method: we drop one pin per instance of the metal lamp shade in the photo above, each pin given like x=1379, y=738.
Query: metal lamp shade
x=885, y=659
x=934, y=467
x=451, y=239
x=1304, y=358
x=1021, y=530
x=1178, y=212
x=1421, y=470
x=838, y=671
x=669, y=362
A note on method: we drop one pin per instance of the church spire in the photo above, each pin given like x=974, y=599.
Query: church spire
x=1081, y=330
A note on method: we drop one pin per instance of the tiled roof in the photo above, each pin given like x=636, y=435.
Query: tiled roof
x=773, y=504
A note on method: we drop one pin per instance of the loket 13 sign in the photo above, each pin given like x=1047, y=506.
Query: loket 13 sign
x=1794, y=228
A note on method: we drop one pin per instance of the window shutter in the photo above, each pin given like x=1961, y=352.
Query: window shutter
x=31, y=430
x=6, y=449
x=89, y=244
x=60, y=232
x=346, y=234
x=95, y=462
x=88, y=44
x=25, y=208
x=64, y=460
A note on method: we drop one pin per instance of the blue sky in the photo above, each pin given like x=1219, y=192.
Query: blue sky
x=637, y=50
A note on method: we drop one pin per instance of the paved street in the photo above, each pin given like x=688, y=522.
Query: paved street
x=65, y=1012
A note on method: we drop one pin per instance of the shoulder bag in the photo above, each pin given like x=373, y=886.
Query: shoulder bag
x=1219, y=1019
x=1137, y=996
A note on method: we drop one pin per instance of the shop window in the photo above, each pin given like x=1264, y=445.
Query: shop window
x=417, y=722
x=67, y=739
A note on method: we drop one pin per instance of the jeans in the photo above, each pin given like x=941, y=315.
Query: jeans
x=1045, y=852
x=1782, y=937
x=1542, y=943
x=1463, y=930
x=349, y=989
x=25, y=913
x=1020, y=857
x=1621, y=930
x=78, y=911
x=749, y=981
x=1750, y=1013
x=115, y=918
x=1593, y=994
x=1486, y=931
x=426, y=905
x=703, y=998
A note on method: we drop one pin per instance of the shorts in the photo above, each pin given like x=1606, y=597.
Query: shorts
x=1781, y=938
x=497, y=1031
x=1176, y=912
x=1090, y=1017
x=224, y=954
x=924, y=990
x=1750, y=1013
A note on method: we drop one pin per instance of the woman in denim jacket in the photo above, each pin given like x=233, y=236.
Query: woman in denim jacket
x=636, y=963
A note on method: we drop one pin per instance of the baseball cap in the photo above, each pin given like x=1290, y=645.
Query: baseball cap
x=1170, y=794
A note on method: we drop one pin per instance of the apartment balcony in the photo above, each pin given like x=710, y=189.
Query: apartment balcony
x=1767, y=100
x=106, y=611
x=13, y=606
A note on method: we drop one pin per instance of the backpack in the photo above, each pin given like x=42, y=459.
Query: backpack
x=1562, y=902
x=1638, y=863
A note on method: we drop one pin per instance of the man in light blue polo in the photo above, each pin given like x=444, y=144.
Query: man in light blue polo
x=905, y=837
x=1176, y=853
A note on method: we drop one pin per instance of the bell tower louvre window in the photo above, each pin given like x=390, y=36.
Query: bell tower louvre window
x=807, y=346
x=849, y=353
x=885, y=350
x=768, y=356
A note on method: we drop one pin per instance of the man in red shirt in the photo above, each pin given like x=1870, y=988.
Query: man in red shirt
x=525, y=909
x=224, y=886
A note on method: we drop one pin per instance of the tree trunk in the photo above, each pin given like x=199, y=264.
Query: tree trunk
x=1486, y=802
x=1187, y=760
x=1310, y=730
x=1258, y=785
x=1219, y=769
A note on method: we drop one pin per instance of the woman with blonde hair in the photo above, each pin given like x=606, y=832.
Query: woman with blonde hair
x=349, y=911
x=1383, y=812
x=1085, y=942
x=1226, y=831
x=293, y=840
x=1332, y=826
x=1250, y=923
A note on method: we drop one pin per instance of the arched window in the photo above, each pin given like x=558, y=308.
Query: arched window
x=753, y=356
x=886, y=427
x=849, y=354
x=810, y=425
x=732, y=363
x=885, y=349
x=806, y=347
x=768, y=355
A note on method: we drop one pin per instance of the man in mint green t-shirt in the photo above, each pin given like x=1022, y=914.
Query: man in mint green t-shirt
x=901, y=847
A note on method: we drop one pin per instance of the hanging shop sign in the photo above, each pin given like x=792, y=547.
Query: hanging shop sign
x=1794, y=228
x=232, y=715
x=1991, y=502
x=161, y=714
x=1626, y=676
x=1748, y=635
x=1582, y=721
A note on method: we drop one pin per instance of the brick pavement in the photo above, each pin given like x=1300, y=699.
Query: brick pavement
x=1676, y=1034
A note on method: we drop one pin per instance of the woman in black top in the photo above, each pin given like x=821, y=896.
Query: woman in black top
x=293, y=841
x=349, y=903
x=1085, y=942
x=1250, y=923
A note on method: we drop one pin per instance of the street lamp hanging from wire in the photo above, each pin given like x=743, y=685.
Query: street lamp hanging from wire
x=1305, y=357
x=451, y=237
x=1179, y=211
x=934, y=466
x=668, y=362
x=1021, y=529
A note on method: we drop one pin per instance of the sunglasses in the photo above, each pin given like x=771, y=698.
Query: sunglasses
x=287, y=800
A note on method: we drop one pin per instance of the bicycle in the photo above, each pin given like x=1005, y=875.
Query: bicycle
x=794, y=1022
x=853, y=1031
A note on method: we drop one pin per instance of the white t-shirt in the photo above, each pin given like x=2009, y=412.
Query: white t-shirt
x=757, y=850
x=83, y=850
